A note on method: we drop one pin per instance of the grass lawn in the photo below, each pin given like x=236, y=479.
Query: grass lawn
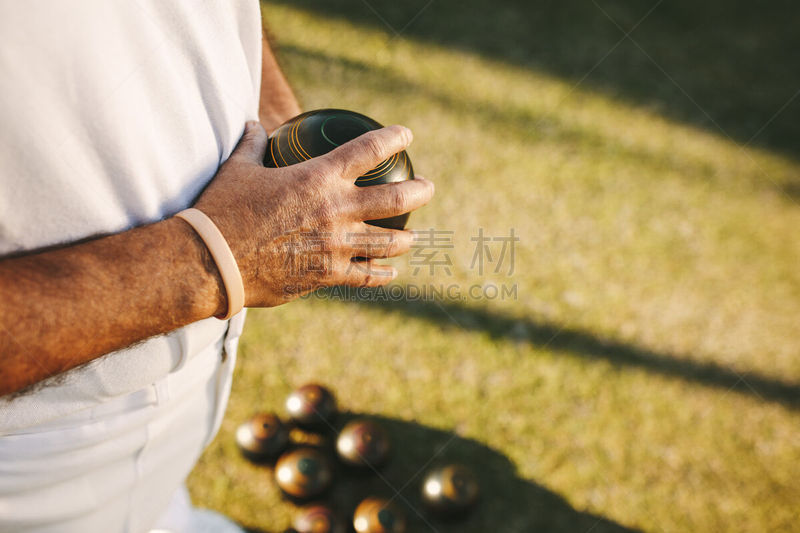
x=643, y=373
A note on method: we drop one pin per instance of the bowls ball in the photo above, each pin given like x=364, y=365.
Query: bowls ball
x=450, y=490
x=311, y=406
x=317, y=132
x=318, y=519
x=363, y=443
x=376, y=515
x=303, y=473
x=263, y=437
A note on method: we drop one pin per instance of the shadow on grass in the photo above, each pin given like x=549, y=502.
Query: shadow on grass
x=729, y=67
x=587, y=345
x=793, y=190
x=508, y=504
x=500, y=117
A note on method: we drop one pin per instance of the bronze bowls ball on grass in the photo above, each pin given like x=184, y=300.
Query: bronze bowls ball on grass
x=376, y=515
x=363, y=443
x=450, y=491
x=262, y=437
x=312, y=406
x=304, y=473
x=318, y=519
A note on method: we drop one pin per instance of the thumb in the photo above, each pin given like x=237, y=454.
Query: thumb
x=253, y=144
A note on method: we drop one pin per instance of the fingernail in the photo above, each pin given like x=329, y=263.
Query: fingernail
x=423, y=178
x=394, y=273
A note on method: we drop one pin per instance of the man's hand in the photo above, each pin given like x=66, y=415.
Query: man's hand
x=297, y=228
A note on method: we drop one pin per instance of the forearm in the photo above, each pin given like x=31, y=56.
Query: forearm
x=65, y=307
x=278, y=102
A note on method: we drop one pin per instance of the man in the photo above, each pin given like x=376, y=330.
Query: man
x=117, y=115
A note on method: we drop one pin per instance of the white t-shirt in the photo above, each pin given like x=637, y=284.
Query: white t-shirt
x=116, y=113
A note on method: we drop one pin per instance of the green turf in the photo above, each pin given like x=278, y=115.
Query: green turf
x=646, y=376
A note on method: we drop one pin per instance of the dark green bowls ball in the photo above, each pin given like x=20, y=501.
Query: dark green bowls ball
x=315, y=133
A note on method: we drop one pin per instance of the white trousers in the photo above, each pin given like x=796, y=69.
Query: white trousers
x=116, y=465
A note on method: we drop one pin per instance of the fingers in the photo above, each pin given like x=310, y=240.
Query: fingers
x=253, y=144
x=367, y=151
x=382, y=201
x=365, y=273
x=374, y=242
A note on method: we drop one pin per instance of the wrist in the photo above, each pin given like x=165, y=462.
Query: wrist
x=201, y=282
